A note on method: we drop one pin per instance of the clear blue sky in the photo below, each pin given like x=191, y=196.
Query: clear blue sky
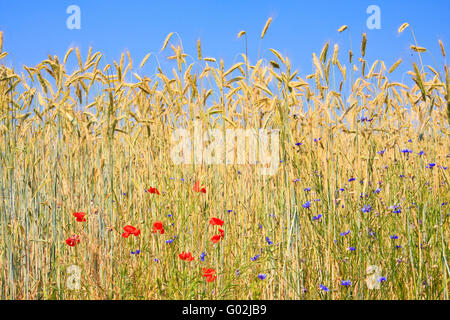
x=33, y=29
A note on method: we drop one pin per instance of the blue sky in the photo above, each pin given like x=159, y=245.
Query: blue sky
x=33, y=29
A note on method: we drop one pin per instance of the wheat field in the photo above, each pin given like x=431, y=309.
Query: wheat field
x=358, y=208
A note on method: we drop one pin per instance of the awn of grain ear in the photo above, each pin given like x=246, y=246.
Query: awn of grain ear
x=350, y=56
x=266, y=26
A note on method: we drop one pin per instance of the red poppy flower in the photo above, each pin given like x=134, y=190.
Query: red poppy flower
x=130, y=230
x=73, y=240
x=198, y=189
x=216, y=222
x=186, y=256
x=80, y=216
x=222, y=233
x=209, y=274
x=158, y=226
x=153, y=190
x=215, y=238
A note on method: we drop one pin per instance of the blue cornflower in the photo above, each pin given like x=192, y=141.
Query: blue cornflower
x=317, y=140
x=298, y=144
x=136, y=252
x=307, y=189
x=170, y=215
x=346, y=283
x=324, y=288
x=381, y=152
x=202, y=256
x=409, y=140
x=366, y=208
x=345, y=233
x=351, y=248
x=382, y=279
x=262, y=276
x=407, y=151
x=378, y=190
x=156, y=260
x=421, y=153
x=341, y=189
x=394, y=237
x=317, y=217
x=255, y=258
x=237, y=272
x=229, y=211
x=398, y=247
x=306, y=205
x=351, y=179
x=296, y=180
x=396, y=209
x=169, y=241
x=268, y=241
x=402, y=176
x=431, y=165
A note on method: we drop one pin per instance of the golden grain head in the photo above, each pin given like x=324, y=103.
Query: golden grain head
x=344, y=27
x=266, y=26
x=199, y=49
x=241, y=33
x=166, y=41
x=417, y=49
x=403, y=27
x=440, y=44
x=363, y=45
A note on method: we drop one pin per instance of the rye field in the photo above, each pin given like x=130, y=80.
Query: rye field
x=99, y=201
